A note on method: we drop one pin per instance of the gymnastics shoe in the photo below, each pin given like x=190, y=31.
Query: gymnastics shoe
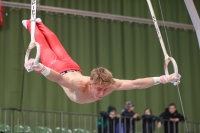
x=38, y=20
x=24, y=22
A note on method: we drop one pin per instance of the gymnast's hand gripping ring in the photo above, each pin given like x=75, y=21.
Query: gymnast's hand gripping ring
x=37, y=57
x=167, y=58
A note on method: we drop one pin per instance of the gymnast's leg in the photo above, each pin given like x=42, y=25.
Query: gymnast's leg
x=52, y=40
x=47, y=56
x=57, y=47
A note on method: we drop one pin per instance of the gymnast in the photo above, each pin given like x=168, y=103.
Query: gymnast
x=57, y=66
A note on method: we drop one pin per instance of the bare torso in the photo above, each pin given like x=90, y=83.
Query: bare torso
x=79, y=89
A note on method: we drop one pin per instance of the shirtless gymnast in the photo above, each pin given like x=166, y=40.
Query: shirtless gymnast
x=57, y=66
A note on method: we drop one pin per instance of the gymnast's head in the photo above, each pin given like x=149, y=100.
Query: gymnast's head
x=101, y=80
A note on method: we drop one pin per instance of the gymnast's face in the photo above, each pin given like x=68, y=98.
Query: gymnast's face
x=98, y=91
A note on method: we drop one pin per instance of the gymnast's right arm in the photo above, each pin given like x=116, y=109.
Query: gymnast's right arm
x=47, y=72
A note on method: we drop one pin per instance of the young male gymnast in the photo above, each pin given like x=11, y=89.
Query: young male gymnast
x=59, y=67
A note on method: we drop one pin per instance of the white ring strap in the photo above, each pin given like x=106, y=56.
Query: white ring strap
x=33, y=17
x=167, y=58
x=33, y=43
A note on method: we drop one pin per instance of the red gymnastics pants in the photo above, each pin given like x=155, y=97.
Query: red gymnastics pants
x=52, y=53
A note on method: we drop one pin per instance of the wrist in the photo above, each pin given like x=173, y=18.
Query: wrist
x=46, y=71
x=43, y=70
x=156, y=80
x=162, y=79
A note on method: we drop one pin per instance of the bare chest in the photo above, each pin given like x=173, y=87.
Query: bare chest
x=80, y=97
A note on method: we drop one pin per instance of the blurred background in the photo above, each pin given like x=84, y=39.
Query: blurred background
x=130, y=50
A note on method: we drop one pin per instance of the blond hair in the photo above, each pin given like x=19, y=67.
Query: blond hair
x=101, y=76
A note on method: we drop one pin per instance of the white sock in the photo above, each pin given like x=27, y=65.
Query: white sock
x=38, y=20
x=24, y=22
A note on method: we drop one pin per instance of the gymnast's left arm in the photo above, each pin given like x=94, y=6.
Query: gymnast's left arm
x=133, y=84
x=143, y=83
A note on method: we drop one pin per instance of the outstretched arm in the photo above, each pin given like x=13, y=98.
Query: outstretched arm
x=134, y=84
x=145, y=82
x=48, y=73
x=56, y=77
